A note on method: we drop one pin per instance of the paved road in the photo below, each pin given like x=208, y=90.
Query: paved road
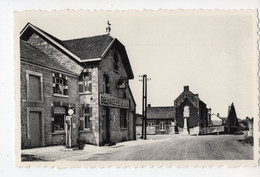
x=158, y=147
x=223, y=147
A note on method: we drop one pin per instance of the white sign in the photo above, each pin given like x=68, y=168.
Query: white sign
x=70, y=111
x=107, y=100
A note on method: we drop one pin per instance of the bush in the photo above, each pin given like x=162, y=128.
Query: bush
x=249, y=140
x=240, y=132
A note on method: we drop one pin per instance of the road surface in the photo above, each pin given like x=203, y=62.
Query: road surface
x=157, y=147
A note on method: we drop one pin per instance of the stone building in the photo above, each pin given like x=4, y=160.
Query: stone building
x=160, y=120
x=191, y=113
x=89, y=75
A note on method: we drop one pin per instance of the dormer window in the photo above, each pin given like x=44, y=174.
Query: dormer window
x=106, y=83
x=115, y=58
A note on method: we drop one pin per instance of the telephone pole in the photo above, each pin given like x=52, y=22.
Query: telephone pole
x=144, y=106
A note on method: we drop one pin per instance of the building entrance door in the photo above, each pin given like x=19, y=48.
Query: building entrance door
x=34, y=129
x=106, y=126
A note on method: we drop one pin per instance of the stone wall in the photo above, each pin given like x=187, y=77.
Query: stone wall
x=46, y=104
x=193, y=120
x=92, y=136
x=38, y=42
x=117, y=134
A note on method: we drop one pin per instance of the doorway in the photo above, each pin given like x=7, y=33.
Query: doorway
x=106, y=125
x=35, y=129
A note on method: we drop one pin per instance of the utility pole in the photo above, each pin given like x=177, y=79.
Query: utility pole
x=144, y=106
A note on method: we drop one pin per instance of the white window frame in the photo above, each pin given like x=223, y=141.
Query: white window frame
x=88, y=83
x=28, y=73
x=162, y=126
x=62, y=90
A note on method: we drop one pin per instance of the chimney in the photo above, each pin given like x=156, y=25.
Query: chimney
x=149, y=105
x=186, y=88
x=218, y=114
x=196, y=95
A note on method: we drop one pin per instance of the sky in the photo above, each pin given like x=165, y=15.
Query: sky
x=214, y=52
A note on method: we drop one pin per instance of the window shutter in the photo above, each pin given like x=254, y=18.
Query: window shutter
x=90, y=76
x=90, y=87
x=90, y=111
x=65, y=91
x=52, y=118
x=65, y=82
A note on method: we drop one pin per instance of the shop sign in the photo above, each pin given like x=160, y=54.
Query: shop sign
x=107, y=100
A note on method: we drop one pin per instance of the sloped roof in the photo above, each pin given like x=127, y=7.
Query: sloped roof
x=33, y=55
x=89, y=47
x=161, y=112
x=86, y=49
x=215, y=117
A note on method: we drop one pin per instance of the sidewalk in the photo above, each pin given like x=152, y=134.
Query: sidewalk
x=53, y=153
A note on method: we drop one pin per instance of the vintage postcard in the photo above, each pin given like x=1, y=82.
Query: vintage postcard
x=136, y=88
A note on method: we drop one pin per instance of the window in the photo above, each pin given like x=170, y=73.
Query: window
x=123, y=118
x=106, y=83
x=87, y=117
x=34, y=86
x=60, y=84
x=162, y=126
x=59, y=118
x=150, y=124
x=85, y=83
x=59, y=122
x=115, y=57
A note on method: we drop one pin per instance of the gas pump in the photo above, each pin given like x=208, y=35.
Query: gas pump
x=71, y=129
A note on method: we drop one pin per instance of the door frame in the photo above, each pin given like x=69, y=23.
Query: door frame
x=35, y=109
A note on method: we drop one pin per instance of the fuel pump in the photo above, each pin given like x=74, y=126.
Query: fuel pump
x=71, y=129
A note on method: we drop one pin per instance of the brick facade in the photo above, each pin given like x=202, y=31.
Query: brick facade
x=88, y=111
x=50, y=137
x=198, y=112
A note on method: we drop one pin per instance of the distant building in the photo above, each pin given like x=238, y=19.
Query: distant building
x=160, y=120
x=139, y=124
x=88, y=75
x=216, y=119
x=188, y=106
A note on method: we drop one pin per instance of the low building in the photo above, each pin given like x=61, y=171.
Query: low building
x=160, y=120
x=139, y=124
x=216, y=120
x=89, y=75
x=191, y=113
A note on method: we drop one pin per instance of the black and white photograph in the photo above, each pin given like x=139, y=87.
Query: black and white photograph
x=116, y=87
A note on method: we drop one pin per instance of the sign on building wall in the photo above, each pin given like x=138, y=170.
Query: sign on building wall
x=186, y=111
x=107, y=100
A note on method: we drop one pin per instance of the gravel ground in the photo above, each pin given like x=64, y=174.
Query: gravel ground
x=156, y=147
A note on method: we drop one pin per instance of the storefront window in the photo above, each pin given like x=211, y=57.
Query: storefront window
x=59, y=122
x=59, y=118
x=123, y=118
